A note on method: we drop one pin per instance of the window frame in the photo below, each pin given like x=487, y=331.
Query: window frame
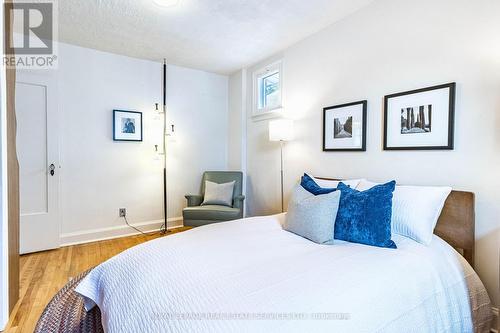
x=268, y=111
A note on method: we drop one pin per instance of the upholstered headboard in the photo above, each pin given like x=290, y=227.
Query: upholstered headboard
x=456, y=224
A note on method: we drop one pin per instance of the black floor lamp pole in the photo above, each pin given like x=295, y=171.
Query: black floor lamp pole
x=165, y=210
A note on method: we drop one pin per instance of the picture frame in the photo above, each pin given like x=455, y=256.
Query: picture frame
x=127, y=125
x=344, y=127
x=421, y=119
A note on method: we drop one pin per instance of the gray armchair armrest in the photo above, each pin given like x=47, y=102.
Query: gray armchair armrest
x=194, y=199
x=238, y=201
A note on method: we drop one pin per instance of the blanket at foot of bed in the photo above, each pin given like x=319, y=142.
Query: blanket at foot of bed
x=66, y=312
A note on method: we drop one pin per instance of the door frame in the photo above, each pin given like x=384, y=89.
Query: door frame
x=49, y=80
x=4, y=220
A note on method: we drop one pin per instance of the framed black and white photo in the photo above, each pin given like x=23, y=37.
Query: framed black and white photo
x=421, y=119
x=344, y=127
x=127, y=125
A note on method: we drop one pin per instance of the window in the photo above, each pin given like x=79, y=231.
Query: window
x=267, y=90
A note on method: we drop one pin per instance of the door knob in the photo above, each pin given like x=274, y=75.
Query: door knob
x=52, y=169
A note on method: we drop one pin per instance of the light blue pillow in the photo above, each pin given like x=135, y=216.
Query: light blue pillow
x=312, y=216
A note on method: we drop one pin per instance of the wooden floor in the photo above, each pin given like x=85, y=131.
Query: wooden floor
x=44, y=273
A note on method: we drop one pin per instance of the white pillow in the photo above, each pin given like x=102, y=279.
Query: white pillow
x=364, y=185
x=415, y=209
x=218, y=194
x=352, y=183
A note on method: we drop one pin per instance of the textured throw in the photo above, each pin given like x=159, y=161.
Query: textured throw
x=66, y=313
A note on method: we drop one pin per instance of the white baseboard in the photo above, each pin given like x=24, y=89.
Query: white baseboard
x=93, y=235
x=495, y=325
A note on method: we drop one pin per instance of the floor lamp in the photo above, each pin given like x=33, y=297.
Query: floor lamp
x=168, y=131
x=281, y=130
x=164, y=228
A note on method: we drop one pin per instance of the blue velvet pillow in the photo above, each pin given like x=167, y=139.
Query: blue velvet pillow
x=365, y=217
x=310, y=185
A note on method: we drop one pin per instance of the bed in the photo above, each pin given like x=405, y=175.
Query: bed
x=250, y=275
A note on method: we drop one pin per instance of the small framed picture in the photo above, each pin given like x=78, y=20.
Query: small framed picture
x=344, y=127
x=421, y=119
x=127, y=125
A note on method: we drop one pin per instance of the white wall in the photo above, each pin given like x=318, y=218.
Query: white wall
x=198, y=103
x=236, y=124
x=393, y=46
x=98, y=175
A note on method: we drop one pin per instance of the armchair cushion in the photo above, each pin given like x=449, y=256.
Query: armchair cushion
x=211, y=212
x=218, y=194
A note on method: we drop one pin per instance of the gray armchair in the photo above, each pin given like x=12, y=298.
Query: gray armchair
x=195, y=215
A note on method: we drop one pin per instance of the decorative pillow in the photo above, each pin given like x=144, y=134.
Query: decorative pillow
x=310, y=185
x=415, y=209
x=325, y=183
x=312, y=216
x=365, y=217
x=366, y=185
x=321, y=186
x=218, y=194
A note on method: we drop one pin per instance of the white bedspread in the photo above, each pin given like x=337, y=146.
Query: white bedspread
x=249, y=275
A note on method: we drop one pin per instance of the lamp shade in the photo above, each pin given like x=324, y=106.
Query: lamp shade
x=281, y=130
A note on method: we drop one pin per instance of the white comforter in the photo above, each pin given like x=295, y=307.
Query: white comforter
x=251, y=276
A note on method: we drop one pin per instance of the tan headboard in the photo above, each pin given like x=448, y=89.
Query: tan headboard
x=456, y=224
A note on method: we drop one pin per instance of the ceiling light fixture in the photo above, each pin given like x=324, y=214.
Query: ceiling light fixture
x=166, y=3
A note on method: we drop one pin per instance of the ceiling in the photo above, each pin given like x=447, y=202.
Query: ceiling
x=219, y=36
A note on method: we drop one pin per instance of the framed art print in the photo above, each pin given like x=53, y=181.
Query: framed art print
x=127, y=125
x=344, y=127
x=421, y=119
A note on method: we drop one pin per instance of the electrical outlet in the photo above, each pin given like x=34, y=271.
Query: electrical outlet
x=122, y=212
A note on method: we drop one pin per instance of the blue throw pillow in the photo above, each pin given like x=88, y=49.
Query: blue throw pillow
x=365, y=217
x=310, y=185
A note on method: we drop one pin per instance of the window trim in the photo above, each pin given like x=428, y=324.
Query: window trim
x=267, y=112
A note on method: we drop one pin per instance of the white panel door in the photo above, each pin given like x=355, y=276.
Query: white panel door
x=37, y=150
